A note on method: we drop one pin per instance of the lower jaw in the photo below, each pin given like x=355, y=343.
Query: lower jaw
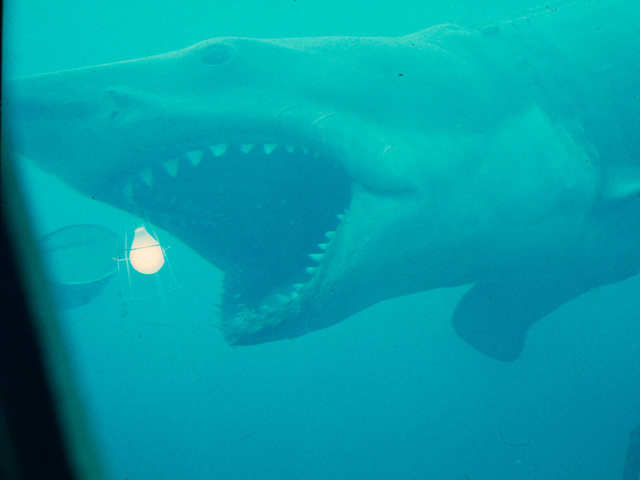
x=248, y=324
x=249, y=328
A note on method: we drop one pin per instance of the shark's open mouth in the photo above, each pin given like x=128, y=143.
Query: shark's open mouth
x=264, y=213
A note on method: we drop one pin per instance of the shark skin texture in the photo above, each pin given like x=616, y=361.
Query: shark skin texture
x=326, y=174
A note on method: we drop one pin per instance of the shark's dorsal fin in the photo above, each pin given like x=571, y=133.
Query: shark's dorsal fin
x=494, y=317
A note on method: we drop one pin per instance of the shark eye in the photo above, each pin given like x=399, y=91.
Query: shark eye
x=217, y=54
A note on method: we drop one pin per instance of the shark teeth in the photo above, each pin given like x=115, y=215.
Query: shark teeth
x=269, y=148
x=171, y=166
x=195, y=157
x=311, y=270
x=147, y=177
x=218, y=149
x=282, y=298
x=316, y=257
x=200, y=155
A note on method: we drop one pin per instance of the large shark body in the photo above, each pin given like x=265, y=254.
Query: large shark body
x=323, y=175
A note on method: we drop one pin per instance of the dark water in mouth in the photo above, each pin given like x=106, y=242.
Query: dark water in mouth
x=390, y=393
x=255, y=211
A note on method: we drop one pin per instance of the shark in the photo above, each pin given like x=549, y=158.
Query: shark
x=323, y=175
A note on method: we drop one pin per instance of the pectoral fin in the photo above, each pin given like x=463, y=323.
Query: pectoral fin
x=494, y=317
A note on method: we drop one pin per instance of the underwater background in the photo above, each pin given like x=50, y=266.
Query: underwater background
x=390, y=393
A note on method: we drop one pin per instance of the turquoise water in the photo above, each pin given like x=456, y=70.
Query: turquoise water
x=390, y=393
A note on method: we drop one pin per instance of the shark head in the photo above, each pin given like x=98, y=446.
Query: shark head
x=310, y=170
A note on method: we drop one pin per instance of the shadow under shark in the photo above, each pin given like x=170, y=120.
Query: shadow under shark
x=324, y=175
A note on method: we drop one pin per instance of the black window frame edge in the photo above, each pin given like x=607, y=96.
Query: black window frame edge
x=44, y=432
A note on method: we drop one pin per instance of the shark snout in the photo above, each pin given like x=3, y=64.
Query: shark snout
x=48, y=107
x=48, y=96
